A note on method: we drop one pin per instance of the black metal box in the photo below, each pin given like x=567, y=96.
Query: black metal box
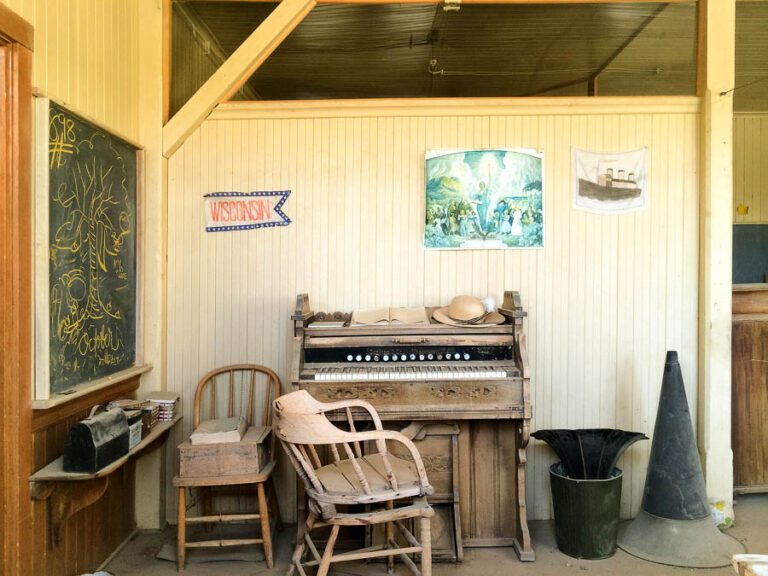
x=96, y=442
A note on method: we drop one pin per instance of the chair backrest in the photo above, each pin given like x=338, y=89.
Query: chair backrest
x=235, y=379
x=300, y=423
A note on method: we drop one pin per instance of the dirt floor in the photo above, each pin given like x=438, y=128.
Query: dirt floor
x=138, y=557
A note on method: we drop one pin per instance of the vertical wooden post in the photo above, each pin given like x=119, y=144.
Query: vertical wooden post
x=592, y=86
x=16, y=520
x=167, y=15
x=715, y=252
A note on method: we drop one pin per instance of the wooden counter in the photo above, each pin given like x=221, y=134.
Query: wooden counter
x=749, y=392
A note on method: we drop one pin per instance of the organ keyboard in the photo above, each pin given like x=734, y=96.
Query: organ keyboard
x=475, y=377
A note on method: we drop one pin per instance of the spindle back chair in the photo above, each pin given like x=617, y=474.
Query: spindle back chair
x=352, y=476
x=234, y=386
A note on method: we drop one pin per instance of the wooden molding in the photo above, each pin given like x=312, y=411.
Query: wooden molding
x=167, y=15
x=466, y=1
x=235, y=71
x=456, y=107
x=53, y=415
x=15, y=28
x=16, y=515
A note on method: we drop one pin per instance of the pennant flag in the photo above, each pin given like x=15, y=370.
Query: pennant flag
x=245, y=210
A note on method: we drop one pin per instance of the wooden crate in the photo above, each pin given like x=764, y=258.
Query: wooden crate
x=249, y=456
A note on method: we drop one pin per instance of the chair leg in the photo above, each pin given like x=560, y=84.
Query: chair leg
x=390, y=537
x=300, y=544
x=325, y=563
x=207, y=507
x=266, y=534
x=275, y=505
x=426, y=544
x=181, y=530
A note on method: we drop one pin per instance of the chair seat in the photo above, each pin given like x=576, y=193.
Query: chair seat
x=341, y=481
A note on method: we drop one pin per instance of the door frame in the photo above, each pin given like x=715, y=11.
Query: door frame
x=16, y=520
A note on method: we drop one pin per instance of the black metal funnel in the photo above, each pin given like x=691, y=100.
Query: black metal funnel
x=674, y=525
x=589, y=453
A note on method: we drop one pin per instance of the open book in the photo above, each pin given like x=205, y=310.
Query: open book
x=390, y=316
x=219, y=431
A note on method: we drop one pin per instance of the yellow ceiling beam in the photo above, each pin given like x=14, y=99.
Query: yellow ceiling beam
x=234, y=71
x=463, y=1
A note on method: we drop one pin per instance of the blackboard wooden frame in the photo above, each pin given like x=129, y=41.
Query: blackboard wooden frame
x=44, y=397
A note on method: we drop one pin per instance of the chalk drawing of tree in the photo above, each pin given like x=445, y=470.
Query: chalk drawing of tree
x=93, y=230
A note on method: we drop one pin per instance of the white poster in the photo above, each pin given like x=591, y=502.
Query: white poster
x=610, y=183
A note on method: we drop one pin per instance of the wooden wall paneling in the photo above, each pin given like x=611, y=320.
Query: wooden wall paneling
x=750, y=177
x=86, y=55
x=606, y=296
x=92, y=534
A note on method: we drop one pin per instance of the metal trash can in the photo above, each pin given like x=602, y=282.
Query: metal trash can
x=586, y=513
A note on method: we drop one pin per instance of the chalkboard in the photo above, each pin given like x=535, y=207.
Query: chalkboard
x=750, y=253
x=91, y=197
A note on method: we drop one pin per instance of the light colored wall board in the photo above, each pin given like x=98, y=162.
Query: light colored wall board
x=606, y=297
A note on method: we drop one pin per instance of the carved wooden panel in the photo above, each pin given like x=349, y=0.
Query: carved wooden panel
x=487, y=482
x=446, y=400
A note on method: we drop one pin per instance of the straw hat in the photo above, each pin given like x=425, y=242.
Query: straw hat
x=467, y=311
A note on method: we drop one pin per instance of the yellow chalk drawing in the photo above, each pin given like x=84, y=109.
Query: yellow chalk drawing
x=89, y=244
x=61, y=136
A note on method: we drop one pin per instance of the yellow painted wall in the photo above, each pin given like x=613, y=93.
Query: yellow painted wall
x=86, y=54
x=606, y=296
x=103, y=58
x=750, y=168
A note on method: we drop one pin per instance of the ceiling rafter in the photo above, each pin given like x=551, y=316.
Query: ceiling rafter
x=234, y=71
x=463, y=1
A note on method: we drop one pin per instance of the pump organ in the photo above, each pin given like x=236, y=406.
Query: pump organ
x=477, y=378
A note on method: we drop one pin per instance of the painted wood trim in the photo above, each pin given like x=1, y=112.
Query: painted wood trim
x=41, y=272
x=716, y=253
x=16, y=516
x=237, y=69
x=167, y=18
x=466, y=1
x=89, y=387
x=42, y=419
x=15, y=28
x=701, y=43
x=430, y=107
x=90, y=119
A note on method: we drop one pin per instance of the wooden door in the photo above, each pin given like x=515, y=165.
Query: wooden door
x=749, y=405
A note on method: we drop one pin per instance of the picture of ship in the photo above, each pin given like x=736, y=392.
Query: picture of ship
x=609, y=187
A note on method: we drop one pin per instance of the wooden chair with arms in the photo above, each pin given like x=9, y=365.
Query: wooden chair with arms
x=377, y=479
x=241, y=376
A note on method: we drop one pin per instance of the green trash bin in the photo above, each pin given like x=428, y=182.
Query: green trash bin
x=586, y=513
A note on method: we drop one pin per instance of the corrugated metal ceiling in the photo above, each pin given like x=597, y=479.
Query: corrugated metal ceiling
x=420, y=50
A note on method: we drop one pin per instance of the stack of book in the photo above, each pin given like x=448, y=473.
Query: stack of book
x=219, y=431
x=168, y=403
x=149, y=415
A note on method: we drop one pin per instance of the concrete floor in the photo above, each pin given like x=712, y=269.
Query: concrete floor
x=137, y=558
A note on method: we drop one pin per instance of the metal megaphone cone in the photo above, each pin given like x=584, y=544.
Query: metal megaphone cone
x=674, y=525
